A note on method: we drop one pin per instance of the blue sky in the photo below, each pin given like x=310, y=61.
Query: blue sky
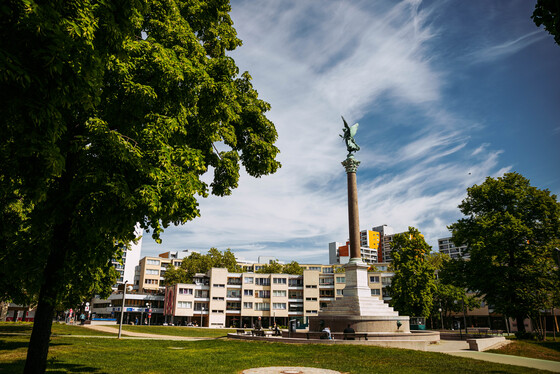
x=446, y=94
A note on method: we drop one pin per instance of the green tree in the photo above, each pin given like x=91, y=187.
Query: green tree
x=110, y=114
x=413, y=284
x=200, y=263
x=510, y=229
x=547, y=13
x=292, y=268
x=272, y=268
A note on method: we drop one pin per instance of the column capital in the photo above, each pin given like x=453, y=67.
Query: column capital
x=351, y=164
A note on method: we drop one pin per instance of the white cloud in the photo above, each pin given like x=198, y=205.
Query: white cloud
x=314, y=61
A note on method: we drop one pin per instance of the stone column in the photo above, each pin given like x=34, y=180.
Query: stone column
x=351, y=166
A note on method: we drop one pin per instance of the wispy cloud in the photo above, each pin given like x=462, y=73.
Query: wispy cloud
x=506, y=48
x=314, y=61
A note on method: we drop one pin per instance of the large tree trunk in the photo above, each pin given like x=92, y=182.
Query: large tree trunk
x=38, y=349
x=39, y=343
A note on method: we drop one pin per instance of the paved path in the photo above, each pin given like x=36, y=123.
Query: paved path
x=461, y=349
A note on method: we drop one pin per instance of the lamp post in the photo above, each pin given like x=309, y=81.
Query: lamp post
x=122, y=308
x=440, y=317
x=149, y=313
x=202, y=317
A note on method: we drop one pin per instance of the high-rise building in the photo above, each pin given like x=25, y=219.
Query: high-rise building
x=446, y=245
x=339, y=253
x=385, y=238
x=130, y=259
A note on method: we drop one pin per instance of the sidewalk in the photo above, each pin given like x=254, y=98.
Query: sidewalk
x=461, y=349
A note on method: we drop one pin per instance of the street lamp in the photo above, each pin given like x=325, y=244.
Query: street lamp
x=122, y=307
x=440, y=317
x=149, y=313
x=202, y=317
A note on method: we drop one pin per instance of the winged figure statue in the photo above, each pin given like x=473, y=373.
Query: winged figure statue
x=348, y=136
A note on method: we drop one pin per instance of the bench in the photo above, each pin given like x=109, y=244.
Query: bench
x=257, y=332
x=240, y=332
x=317, y=335
x=355, y=335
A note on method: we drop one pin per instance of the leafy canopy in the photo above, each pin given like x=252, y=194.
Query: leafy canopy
x=413, y=283
x=511, y=230
x=110, y=115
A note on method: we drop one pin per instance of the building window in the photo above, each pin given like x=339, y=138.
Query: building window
x=185, y=291
x=279, y=293
x=340, y=279
x=152, y=272
x=310, y=299
x=218, y=298
x=233, y=293
x=326, y=293
x=326, y=281
x=374, y=279
x=234, y=281
x=311, y=286
x=248, y=292
x=327, y=270
x=262, y=306
x=217, y=311
x=311, y=311
x=264, y=294
x=317, y=268
x=233, y=306
x=279, y=306
x=297, y=282
x=184, y=304
x=279, y=281
x=339, y=292
x=248, y=280
x=247, y=305
x=218, y=285
x=151, y=281
x=201, y=294
x=375, y=292
x=152, y=262
x=199, y=306
x=262, y=281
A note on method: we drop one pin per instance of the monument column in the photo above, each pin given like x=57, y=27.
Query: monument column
x=351, y=166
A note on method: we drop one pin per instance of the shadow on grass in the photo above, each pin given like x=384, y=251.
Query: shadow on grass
x=551, y=345
x=16, y=327
x=8, y=345
x=61, y=367
x=52, y=367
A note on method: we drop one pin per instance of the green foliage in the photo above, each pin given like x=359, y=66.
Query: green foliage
x=272, y=268
x=413, y=284
x=547, y=13
x=200, y=263
x=109, y=115
x=292, y=268
x=511, y=229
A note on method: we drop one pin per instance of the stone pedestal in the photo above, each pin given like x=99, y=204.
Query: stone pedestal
x=365, y=313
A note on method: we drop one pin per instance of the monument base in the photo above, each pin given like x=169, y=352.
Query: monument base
x=357, y=308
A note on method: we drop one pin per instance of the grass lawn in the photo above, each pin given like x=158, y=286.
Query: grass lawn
x=107, y=356
x=57, y=329
x=179, y=331
x=548, y=350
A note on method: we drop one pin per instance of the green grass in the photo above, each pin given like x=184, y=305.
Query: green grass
x=180, y=331
x=57, y=329
x=107, y=356
x=548, y=350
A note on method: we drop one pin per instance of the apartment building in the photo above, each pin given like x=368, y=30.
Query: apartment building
x=222, y=299
x=126, y=267
x=339, y=253
x=446, y=245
